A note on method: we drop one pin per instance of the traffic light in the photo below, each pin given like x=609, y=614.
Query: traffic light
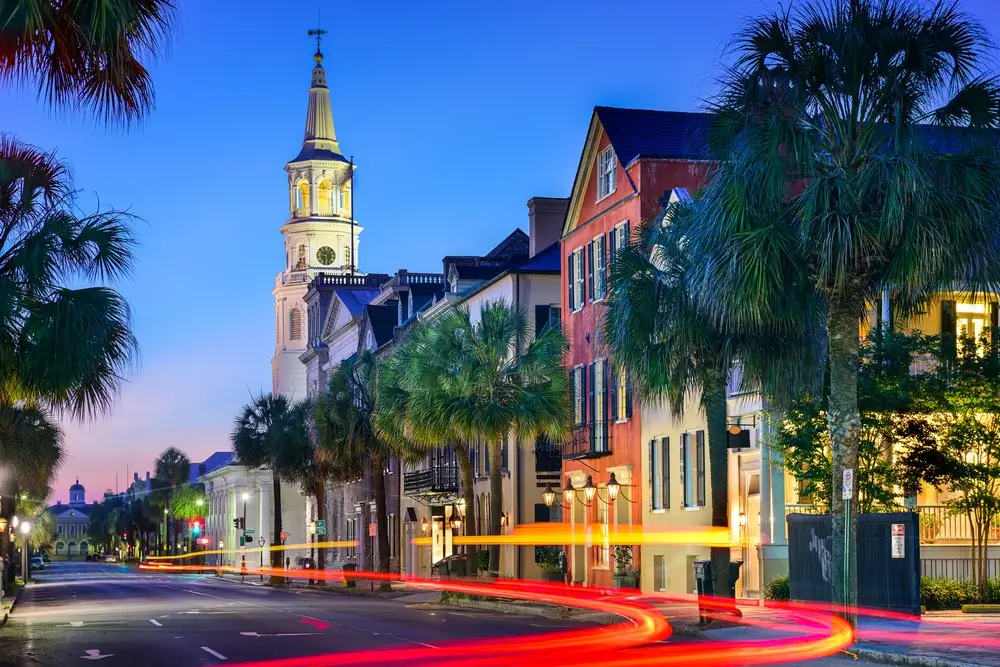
x=195, y=528
x=236, y=524
x=239, y=523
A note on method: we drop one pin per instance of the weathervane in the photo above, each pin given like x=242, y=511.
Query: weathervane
x=318, y=34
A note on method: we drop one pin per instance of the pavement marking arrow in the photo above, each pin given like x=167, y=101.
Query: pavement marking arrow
x=76, y=624
x=286, y=634
x=95, y=654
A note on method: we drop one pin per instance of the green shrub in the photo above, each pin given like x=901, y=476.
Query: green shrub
x=992, y=595
x=947, y=593
x=778, y=589
x=483, y=560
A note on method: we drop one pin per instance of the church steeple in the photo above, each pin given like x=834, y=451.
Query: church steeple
x=320, y=141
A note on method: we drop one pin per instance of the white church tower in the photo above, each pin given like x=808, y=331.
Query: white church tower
x=320, y=234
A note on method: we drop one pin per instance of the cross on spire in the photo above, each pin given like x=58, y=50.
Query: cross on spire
x=318, y=34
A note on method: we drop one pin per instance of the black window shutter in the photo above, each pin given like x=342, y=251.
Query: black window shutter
x=572, y=391
x=683, y=460
x=612, y=251
x=591, y=386
x=541, y=318
x=628, y=396
x=570, y=282
x=665, y=456
x=503, y=452
x=628, y=234
x=604, y=391
x=614, y=394
x=948, y=329
x=584, y=400
x=652, y=477
x=994, y=325
x=590, y=271
x=700, y=462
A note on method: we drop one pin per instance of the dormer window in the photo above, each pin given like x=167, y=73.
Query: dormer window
x=606, y=167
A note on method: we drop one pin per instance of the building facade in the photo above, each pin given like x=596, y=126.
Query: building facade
x=72, y=524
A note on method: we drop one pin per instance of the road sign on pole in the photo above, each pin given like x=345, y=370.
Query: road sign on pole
x=249, y=532
x=321, y=527
x=372, y=529
x=899, y=540
x=848, y=488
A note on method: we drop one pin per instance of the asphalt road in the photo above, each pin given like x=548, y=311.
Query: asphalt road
x=86, y=613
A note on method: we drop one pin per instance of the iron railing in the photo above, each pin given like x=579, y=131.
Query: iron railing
x=588, y=441
x=436, y=479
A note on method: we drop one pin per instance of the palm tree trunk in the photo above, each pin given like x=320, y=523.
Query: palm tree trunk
x=496, y=501
x=381, y=519
x=469, y=495
x=276, y=535
x=717, y=418
x=844, y=422
x=320, y=493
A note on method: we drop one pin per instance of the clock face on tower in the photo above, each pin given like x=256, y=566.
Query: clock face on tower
x=326, y=255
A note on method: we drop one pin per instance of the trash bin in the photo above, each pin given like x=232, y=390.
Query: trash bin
x=349, y=570
x=706, y=589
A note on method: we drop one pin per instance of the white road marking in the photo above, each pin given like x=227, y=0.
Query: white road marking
x=286, y=634
x=156, y=622
x=95, y=654
x=75, y=624
x=215, y=653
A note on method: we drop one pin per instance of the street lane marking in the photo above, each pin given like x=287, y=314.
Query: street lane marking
x=95, y=654
x=215, y=653
x=156, y=622
x=286, y=634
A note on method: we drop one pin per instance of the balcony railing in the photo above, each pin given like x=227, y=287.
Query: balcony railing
x=373, y=280
x=589, y=441
x=436, y=479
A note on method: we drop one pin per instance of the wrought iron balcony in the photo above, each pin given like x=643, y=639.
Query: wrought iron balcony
x=433, y=480
x=590, y=440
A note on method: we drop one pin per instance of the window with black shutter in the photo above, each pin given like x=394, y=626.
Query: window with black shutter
x=590, y=271
x=948, y=329
x=570, y=283
x=542, y=314
x=628, y=397
x=592, y=405
x=699, y=439
x=665, y=459
x=613, y=380
x=654, y=499
x=687, y=478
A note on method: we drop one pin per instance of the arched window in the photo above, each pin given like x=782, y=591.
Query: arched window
x=325, y=196
x=345, y=197
x=300, y=263
x=295, y=324
x=302, y=198
x=347, y=256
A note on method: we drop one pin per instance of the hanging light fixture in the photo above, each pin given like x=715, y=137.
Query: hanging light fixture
x=613, y=487
x=3, y=525
x=504, y=519
x=589, y=490
x=569, y=493
x=460, y=506
x=456, y=520
x=425, y=525
x=549, y=496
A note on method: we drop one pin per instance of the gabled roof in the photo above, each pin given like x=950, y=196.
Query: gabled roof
x=381, y=321
x=356, y=300
x=545, y=261
x=635, y=133
x=516, y=243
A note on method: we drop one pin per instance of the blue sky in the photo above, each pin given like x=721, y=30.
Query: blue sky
x=456, y=112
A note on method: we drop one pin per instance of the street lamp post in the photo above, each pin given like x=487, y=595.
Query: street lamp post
x=243, y=555
x=25, y=566
x=261, y=543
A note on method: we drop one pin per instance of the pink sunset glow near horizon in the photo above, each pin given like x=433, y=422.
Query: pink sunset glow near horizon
x=185, y=399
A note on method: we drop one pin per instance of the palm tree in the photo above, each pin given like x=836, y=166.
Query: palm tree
x=173, y=469
x=412, y=411
x=857, y=155
x=262, y=431
x=351, y=440
x=86, y=54
x=501, y=387
x=673, y=349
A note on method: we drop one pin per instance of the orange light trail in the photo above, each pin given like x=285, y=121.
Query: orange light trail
x=540, y=534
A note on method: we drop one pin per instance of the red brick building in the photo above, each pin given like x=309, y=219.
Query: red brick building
x=631, y=161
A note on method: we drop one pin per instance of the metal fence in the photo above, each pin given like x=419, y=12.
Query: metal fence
x=959, y=569
x=938, y=523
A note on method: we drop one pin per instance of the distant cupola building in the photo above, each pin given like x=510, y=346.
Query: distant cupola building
x=72, y=524
x=320, y=235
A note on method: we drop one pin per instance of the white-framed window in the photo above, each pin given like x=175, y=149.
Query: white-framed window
x=606, y=167
x=659, y=473
x=621, y=395
x=575, y=280
x=618, y=238
x=602, y=551
x=577, y=387
x=970, y=320
x=693, y=468
x=599, y=268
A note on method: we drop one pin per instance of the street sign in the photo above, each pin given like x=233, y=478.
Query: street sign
x=899, y=540
x=372, y=530
x=248, y=532
x=321, y=527
x=284, y=536
x=848, y=489
x=260, y=542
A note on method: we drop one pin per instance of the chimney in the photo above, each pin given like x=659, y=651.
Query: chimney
x=545, y=221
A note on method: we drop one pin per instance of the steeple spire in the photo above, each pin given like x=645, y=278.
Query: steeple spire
x=320, y=141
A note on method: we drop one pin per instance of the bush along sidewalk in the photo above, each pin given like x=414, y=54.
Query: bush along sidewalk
x=935, y=593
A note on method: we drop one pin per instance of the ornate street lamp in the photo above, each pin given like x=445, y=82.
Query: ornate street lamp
x=3, y=525
x=615, y=489
x=456, y=521
x=549, y=496
x=425, y=525
x=589, y=490
x=460, y=506
x=569, y=493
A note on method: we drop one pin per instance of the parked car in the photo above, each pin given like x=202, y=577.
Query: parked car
x=36, y=563
x=46, y=559
x=110, y=559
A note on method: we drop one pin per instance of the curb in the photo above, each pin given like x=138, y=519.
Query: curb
x=10, y=610
x=899, y=658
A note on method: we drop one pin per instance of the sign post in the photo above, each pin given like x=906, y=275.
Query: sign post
x=321, y=527
x=847, y=494
x=899, y=540
x=261, y=543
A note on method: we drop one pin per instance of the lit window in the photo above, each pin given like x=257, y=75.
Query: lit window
x=606, y=164
x=970, y=320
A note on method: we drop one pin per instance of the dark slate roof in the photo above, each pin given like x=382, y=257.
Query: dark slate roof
x=58, y=509
x=356, y=300
x=382, y=320
x=545, y=261
x=312, y=153
x=516, y=243
x=420, y=300
x=638, y=133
